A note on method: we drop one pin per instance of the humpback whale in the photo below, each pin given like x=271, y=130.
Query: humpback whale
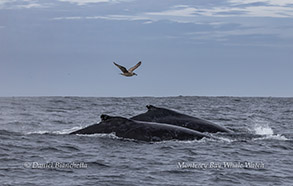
x=163, y=115
x=138, y=130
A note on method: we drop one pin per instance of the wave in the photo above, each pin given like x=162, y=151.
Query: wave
x=111, y=135
x=67, y=131
x=63, y=131
x=273, y=137
x=203, y=140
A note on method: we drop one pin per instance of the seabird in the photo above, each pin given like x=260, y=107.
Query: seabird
x=129, y=72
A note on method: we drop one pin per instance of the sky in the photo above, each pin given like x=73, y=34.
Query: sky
x=187, y=47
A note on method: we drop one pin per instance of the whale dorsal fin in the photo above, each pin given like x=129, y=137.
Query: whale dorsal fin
x=150, y=107
x=161, y=111
x=104, y=117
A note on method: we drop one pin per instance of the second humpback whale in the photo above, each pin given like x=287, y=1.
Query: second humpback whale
x=162, y=115
x=144, y=131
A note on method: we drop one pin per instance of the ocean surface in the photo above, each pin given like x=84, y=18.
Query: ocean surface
x=35, y=148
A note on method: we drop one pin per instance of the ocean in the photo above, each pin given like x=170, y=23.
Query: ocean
x=35, y=148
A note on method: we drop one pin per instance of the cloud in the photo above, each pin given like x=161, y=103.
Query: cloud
x=120, y=17
x=220, y=11
x=30, y=5
x=268, y=11
x=84, y=2
x=268, y=2
x=221, y=22
x=225, y=34
x=260, y=22
x=22, y=4
x=68, y=18
x=25, y=4
x=182, y=11
x=6, y=1
x=108, y=17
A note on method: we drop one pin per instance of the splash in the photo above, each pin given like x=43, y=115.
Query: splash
x=267, y=132
x=263, y=130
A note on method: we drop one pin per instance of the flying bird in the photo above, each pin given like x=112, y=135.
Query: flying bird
x=129, y=72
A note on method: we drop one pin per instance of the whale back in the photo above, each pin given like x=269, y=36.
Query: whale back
x=155, y=113
x=144, y=131
x=149, y=131
x=163, y=115
x=108, y=124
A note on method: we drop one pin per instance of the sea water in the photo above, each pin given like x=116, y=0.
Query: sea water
x=35, y=148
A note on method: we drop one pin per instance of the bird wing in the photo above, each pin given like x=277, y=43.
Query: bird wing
x=122, y=68
x=134, y=67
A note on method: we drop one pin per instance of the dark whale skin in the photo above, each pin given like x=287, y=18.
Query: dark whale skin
x=143, y=131
x=163, y=115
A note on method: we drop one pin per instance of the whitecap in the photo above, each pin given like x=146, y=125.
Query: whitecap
x=63, y=131
x=267, y=132
x=101, y=135
x=263, y=129
x=273, y=137
x=67, y=131
x=39, y=132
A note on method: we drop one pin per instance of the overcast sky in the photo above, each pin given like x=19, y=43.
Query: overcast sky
x=196, y=48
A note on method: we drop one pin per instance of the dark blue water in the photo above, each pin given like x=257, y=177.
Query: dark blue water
x=36, y=150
